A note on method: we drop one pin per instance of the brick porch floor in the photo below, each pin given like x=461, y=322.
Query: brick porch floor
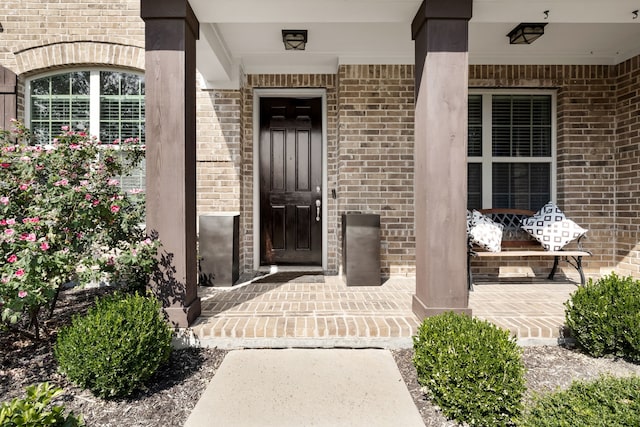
x=321, y=311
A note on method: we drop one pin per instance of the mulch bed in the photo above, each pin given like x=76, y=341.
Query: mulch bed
x=177, y=386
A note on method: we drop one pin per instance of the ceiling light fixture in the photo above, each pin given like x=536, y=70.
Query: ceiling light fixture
x=294, y=39
x=526, y=32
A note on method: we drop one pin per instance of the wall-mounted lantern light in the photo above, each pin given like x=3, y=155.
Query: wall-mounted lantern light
x=294, y=39
x=526, y=33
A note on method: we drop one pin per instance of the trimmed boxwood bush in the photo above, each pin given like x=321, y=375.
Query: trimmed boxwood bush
x=604, y=317
x=472, y=369
x=614, y=402
x=116, y=347
x=36, y=410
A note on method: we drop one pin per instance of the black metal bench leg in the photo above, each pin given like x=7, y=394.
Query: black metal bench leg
x=579, y=268
x=556, y=259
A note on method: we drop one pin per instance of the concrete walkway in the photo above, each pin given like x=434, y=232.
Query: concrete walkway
x=306, y=387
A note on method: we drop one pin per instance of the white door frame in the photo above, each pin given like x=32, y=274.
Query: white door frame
x=286, y=93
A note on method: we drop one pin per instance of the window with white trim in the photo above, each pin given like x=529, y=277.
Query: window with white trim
x=108, y=104
x=511, y=149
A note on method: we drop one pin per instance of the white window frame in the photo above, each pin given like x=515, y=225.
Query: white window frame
x=94, y=93
x=487, y=158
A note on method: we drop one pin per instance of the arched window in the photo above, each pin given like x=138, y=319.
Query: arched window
x=108, y=104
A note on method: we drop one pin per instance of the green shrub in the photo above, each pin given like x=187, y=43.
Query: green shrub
x=472, y=369
x=116, y=347
x=35, y=410
x=603, y=317
x=614, y=402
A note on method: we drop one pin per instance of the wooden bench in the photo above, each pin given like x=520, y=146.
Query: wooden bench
x=517, y=243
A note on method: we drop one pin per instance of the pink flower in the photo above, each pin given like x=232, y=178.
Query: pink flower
x=11, y=221
x=65, y=128
x=44, y=246
x=4, y=200
x=20, y=272
x=88, y=197
x=9, y=231
x=31, y=237
x=5, y=165
x=136, y=191
x=24, y=187
x=62, y=182
x=74, y=146
x=26, y=159
x=113, y=182
x=22, y=294
x=115, y=208
x=96, y=202
x=12, y=258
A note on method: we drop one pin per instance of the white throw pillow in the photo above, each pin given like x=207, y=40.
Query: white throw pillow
x=552, y=228
x=485, y=233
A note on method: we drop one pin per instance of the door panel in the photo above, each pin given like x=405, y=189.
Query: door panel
x=290, y=181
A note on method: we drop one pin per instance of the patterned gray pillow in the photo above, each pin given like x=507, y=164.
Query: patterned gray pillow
x=484, y=232
x=552, y=228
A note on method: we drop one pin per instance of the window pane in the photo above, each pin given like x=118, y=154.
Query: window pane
x=79, y=83
x=474, y=147
x=57, y=101
x=40, y=87
x=474, y=186
x=521, y=125
x=121, y=106
x=521, y=185
x=60, y=84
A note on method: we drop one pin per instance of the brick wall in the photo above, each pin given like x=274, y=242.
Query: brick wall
x=47, y=33
x=627, y=194
x=375, y=155
x=218, y=150
x=43, y=35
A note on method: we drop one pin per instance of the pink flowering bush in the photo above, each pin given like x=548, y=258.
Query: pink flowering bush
x=64, y=218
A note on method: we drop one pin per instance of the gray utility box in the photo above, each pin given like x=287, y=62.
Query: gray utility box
x=218, y=245
x=361, y=249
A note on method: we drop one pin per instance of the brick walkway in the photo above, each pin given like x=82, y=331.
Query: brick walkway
x=321, y=311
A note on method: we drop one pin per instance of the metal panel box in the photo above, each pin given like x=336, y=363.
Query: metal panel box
x=361, y=249
x=218, y=244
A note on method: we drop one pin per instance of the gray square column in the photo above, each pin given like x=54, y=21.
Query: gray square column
x=171, y=30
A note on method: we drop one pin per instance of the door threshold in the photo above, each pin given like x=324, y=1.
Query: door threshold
x=271, y=269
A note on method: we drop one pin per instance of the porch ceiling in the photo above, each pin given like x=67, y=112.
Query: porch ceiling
x=246, y=34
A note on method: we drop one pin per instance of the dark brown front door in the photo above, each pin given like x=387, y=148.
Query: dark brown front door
x=291, y=181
